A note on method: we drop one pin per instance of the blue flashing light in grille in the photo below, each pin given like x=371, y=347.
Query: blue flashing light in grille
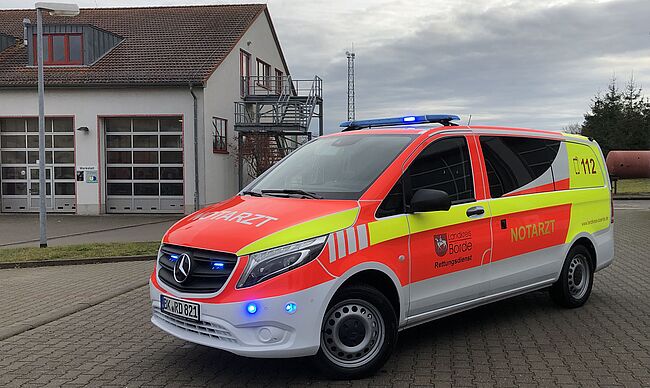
x=174, y=257
x=251, y=308
x=217, y=266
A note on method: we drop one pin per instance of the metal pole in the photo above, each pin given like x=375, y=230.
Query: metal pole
x=42, y=189
x=196, y=149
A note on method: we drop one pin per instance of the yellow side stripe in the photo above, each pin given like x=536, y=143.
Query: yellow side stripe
x=309, y=229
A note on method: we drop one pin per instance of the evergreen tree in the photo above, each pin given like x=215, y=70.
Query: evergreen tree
x=619, y=119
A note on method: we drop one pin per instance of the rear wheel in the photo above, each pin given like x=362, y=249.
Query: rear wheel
x=358, y=333
x=573, y=287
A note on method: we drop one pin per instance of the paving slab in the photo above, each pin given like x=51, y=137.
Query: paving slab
x=524, y=341
x=35, y=296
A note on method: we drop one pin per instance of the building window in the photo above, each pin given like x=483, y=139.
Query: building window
x=220, y=129
x=244, y=70
x=263, y=74
x=278, y=81
x=60, y=49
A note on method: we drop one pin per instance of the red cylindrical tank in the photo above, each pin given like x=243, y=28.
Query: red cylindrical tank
x=629, y=164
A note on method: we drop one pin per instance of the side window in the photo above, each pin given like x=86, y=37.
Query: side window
x=514, y=162
x=393, y=204
x=444, y=165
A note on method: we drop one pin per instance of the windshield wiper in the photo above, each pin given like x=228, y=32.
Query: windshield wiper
x=303, y=193
x=252, y=193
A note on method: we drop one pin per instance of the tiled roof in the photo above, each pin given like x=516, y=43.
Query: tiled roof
x=166, y=46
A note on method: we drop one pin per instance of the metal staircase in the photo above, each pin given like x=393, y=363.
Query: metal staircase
x=278, y=104
x=274, y=117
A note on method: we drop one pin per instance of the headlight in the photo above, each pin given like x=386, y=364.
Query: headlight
x=267, y=264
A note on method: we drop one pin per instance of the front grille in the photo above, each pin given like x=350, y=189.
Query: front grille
x=208, y=273
x=212, y=330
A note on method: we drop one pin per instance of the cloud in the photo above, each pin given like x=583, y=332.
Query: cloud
x=506, y=62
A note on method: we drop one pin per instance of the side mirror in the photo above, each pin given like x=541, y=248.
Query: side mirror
x=428, y=200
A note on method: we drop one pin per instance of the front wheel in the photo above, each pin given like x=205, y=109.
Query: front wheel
x=358, y=333
x=573, y=287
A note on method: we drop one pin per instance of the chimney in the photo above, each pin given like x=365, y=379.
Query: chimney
x=26, y=24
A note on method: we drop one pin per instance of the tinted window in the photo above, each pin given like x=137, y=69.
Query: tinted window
x=393, y=203
x=444, y=165
x=513, y=162
x=337, y=167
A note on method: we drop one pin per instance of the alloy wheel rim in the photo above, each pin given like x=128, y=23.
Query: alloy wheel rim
x=352, y=333
x=578, y=276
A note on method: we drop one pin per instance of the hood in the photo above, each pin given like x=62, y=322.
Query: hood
x=244, y=224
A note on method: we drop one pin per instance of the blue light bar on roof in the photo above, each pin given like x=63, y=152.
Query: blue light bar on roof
x=393, y=121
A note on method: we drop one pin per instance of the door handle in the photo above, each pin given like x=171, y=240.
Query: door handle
x=475, y=211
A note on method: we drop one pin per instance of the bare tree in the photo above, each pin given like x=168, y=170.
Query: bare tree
x=574, y=128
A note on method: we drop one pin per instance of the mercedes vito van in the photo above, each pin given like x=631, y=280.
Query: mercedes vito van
x=381, y=227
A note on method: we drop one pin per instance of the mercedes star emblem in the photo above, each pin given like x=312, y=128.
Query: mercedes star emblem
x=182, y=268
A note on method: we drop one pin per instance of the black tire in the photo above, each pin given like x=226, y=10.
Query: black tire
x=358, y=333
x=573, y=287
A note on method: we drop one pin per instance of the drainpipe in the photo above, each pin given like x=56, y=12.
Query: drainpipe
x=196, y=149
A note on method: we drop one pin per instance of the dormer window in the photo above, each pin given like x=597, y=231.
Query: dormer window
x=61, y=49
x=71, y=44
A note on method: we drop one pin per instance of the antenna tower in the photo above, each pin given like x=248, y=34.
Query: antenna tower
x=351, y=108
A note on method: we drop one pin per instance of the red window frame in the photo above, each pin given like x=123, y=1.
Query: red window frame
x=244, y=58
x=278, y=80
x=66, y=47
x=220, y=139
x=264, y=80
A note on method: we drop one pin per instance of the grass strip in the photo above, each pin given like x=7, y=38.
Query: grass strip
x=82, y=251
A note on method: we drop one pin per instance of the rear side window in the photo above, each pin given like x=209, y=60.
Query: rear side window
x=517, y=163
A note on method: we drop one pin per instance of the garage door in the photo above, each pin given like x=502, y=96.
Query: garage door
x=144, y=165
x=19, y=164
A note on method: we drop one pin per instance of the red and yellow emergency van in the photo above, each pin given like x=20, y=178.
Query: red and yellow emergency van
x=386, y=225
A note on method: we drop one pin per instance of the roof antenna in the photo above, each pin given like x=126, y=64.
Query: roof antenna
x=469, y=120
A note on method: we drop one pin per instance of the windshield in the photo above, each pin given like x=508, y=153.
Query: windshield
x=338, y=167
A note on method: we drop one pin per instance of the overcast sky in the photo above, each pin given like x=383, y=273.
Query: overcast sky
x=506, y=62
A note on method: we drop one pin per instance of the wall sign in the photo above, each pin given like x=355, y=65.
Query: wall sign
x=87, y=174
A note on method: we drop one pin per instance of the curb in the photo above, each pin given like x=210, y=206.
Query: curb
x=631, y=197
x=93, y=260
x=45, y=318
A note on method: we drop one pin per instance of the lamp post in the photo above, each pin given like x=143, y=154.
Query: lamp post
x=54, y=9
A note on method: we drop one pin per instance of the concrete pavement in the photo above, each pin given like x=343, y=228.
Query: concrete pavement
x=21, y=230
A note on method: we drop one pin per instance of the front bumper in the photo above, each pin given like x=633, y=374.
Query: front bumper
x=269, y=333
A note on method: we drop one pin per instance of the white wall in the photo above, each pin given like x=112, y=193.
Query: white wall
x=218, y=172
x=87, y=105
x=222, y=90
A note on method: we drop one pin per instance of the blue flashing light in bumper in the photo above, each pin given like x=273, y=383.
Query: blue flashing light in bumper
x=290, y=307
x=251, y=308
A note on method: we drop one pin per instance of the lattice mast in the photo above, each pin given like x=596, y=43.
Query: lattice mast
x=351, y=109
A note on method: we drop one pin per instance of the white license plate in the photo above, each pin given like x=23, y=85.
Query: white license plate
x=179, y=308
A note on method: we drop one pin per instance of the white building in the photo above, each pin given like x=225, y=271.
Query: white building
x=122, y=89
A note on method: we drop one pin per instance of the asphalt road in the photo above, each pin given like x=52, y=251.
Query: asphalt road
x=527, y=340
